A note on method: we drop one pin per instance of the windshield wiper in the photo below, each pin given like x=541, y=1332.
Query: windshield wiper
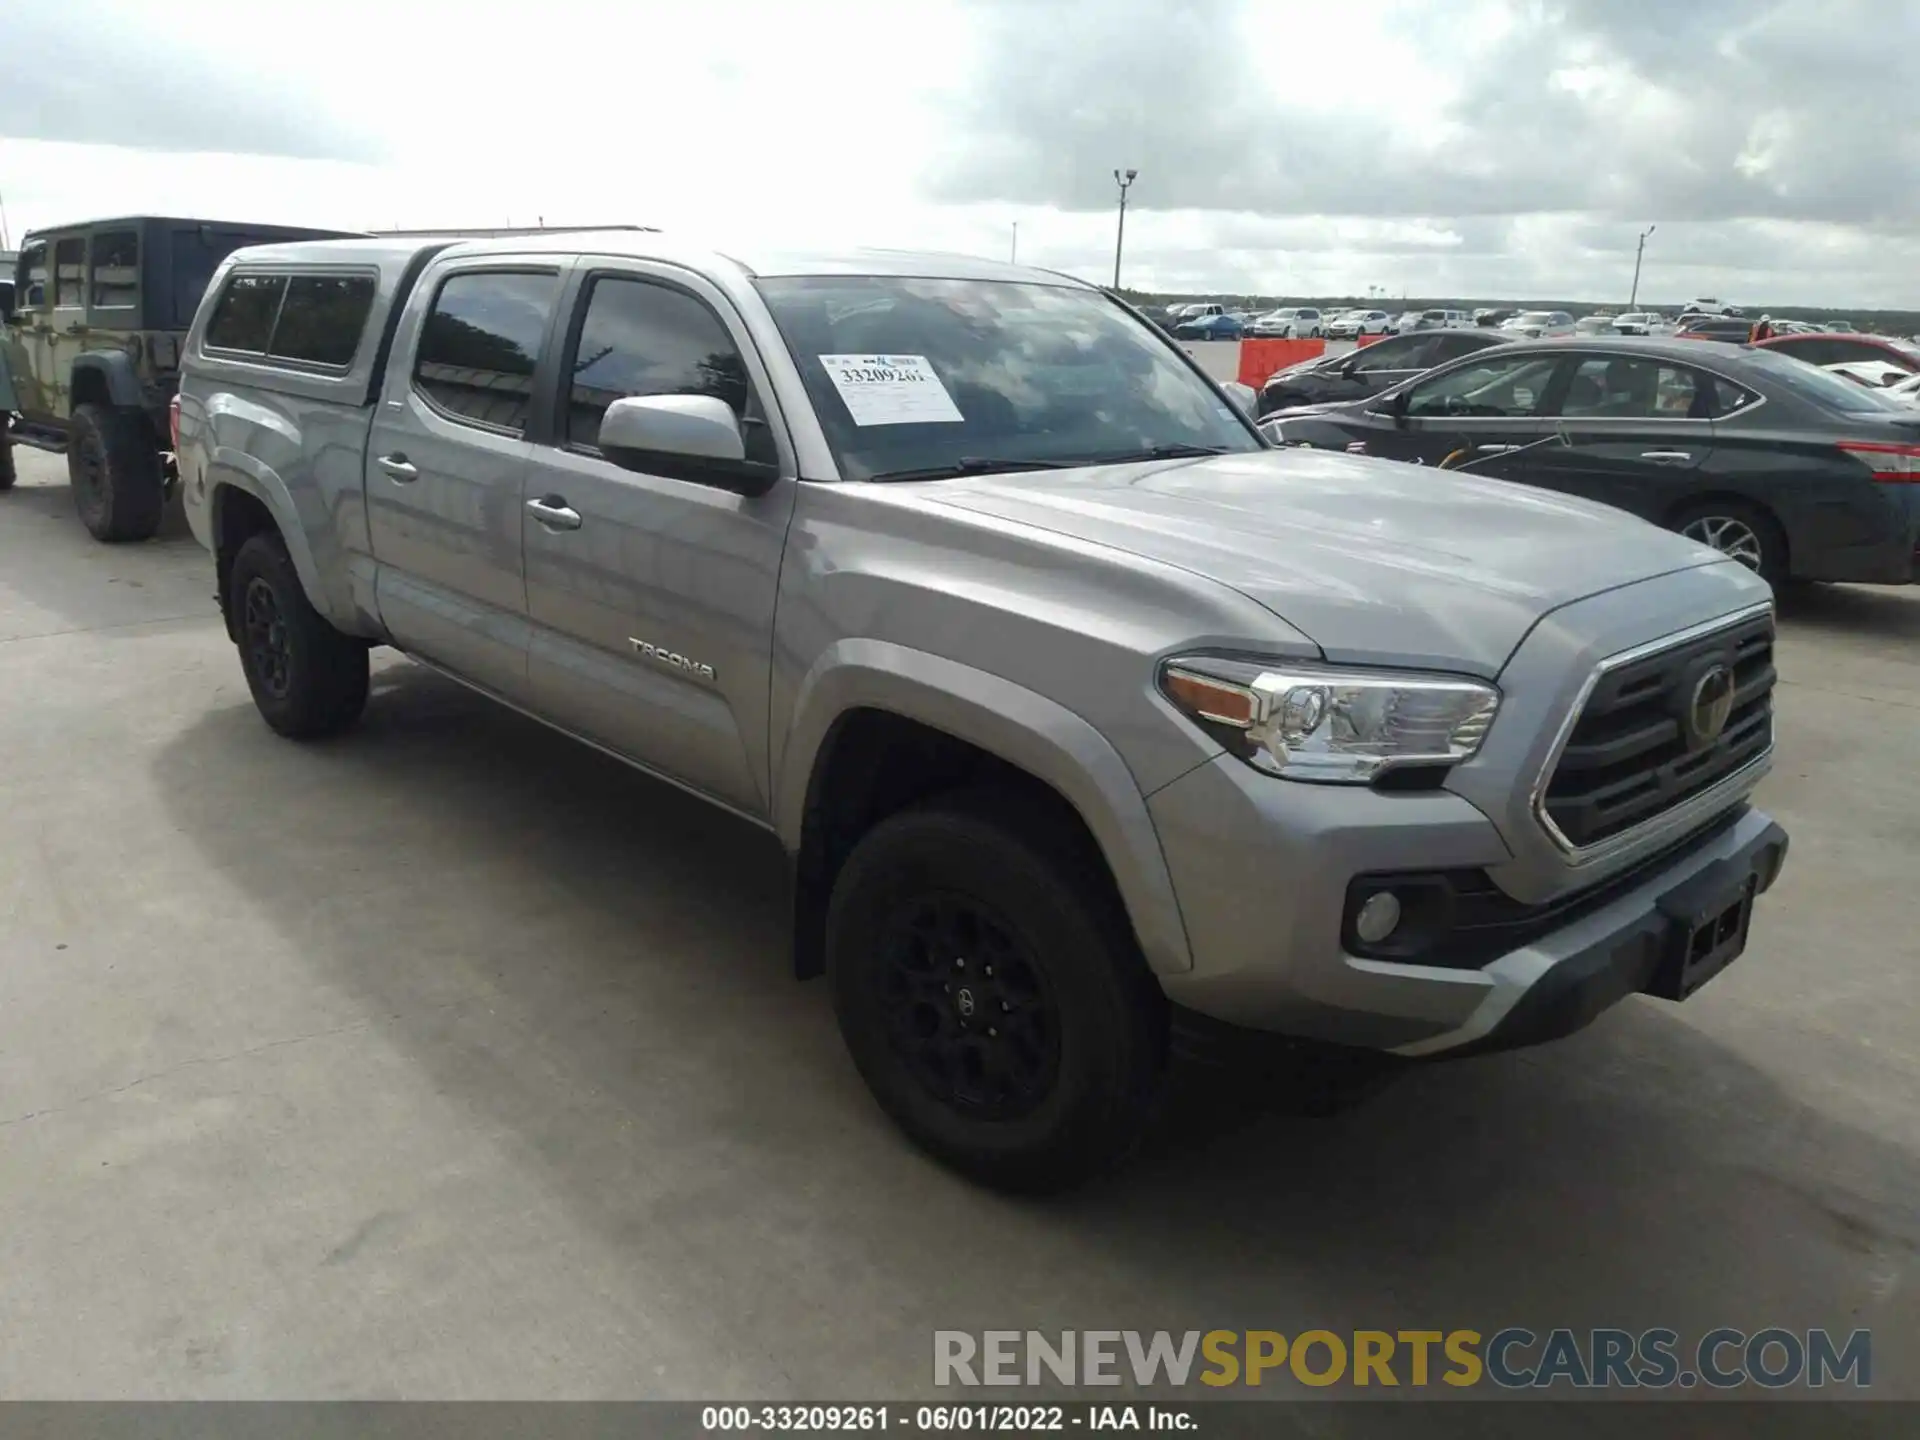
x=1157, y=452
x=973, y=465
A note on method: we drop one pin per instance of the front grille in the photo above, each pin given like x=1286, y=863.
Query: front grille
x=1633, y=755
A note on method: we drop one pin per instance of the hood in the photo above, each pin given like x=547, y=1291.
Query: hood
x=1375, y=561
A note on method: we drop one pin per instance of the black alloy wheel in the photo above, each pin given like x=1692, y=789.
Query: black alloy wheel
x=969, y=1010
x=265, y=629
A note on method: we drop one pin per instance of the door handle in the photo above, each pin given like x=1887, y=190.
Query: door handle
x=1496, y=449
x=554, y=513
x=398, y=469
x=1667, y=457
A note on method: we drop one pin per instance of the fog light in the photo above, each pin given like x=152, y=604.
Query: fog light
x=1379, y=917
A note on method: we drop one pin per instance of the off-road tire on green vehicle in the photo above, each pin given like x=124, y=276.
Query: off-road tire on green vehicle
x=307, y=678
x=7, y=473
x=990, y=990
x=119, y=489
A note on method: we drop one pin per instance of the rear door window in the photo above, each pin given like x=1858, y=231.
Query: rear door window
x=115, y=270
x=70, y=274
x=481, y=343
x=1399, y=353
x=321, y=319
x=1633, y=387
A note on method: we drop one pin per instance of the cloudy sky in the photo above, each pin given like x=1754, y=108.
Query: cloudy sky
x=1497, y=148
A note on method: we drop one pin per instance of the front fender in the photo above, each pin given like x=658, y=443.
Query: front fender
x=1021, y=727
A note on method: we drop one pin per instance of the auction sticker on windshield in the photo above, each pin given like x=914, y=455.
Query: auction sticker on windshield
x=891, y=390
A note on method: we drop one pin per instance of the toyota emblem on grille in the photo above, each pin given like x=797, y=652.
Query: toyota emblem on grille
x=1709, y=706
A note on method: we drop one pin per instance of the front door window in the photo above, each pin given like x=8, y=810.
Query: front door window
x=1508, y=387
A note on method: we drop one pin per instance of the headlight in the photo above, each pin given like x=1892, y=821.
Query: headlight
x=1317, y=722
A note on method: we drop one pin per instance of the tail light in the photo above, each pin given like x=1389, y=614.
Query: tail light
x=173, y=422
x=1891, y=464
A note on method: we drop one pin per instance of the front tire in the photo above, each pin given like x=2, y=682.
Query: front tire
x=7, y=473
x=307, y=678
x=991, y=993
x=1740, y=532
x=118, y=489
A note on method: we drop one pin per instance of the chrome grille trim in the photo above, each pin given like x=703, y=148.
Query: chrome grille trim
x=1695, y=809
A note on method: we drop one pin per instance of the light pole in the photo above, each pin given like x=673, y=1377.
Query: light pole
x=1013, y=255
x=1634, y=298
x=1120, y=237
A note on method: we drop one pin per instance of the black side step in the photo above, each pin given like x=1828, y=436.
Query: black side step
x=40, y=437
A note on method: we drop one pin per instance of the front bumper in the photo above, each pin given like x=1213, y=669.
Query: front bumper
x=1262, y=869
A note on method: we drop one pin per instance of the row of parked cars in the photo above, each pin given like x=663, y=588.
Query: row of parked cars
x=1699, y=319
x=1791, y=455
x=1096, y=729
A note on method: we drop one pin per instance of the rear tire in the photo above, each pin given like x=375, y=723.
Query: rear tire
x=991, y=993
x=118, y=489
x=1741, y=532
x=7, y=473
x=307, y=678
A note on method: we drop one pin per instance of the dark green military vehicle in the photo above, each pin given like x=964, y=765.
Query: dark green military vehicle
x=91, y=353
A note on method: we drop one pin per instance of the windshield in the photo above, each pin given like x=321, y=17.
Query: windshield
x=911, y=375
x=1827, y=390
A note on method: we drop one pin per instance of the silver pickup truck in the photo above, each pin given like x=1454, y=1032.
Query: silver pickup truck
x=1097, y=731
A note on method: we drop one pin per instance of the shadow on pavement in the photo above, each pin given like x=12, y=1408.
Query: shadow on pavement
x=595, y=966
x=1889, y=612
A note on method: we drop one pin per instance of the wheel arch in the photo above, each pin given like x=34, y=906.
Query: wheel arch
x=828, y=767
x=105, y=377
x=242, y=504
x=1701, y=500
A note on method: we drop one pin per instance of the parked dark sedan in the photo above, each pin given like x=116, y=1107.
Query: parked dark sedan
x=1795, y=472
x=1373, y=368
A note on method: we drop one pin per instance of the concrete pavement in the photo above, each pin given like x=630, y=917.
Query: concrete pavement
x=451, y=1059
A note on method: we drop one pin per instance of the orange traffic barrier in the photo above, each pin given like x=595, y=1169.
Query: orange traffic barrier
x=1360, y=340
x=1260, y=358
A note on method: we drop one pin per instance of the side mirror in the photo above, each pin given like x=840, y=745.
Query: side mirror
x=1397, y=406
x=688, y=437
x=1243, y=396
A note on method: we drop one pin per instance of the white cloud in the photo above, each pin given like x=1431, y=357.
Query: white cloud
x=1497, y=148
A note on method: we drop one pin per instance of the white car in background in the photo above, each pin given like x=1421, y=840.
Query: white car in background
x=1642, y=322
x=1874, y=374
x=1289, y=323
x=1600, y=324
x=1540, y=324
x=1431, y=320
x=1355, y=323
x=1906, y=391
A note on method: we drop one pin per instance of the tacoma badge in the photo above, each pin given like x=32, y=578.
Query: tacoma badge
x=672, y=659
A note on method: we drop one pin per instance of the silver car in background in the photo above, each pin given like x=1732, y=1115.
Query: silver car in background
x=1541, y=324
